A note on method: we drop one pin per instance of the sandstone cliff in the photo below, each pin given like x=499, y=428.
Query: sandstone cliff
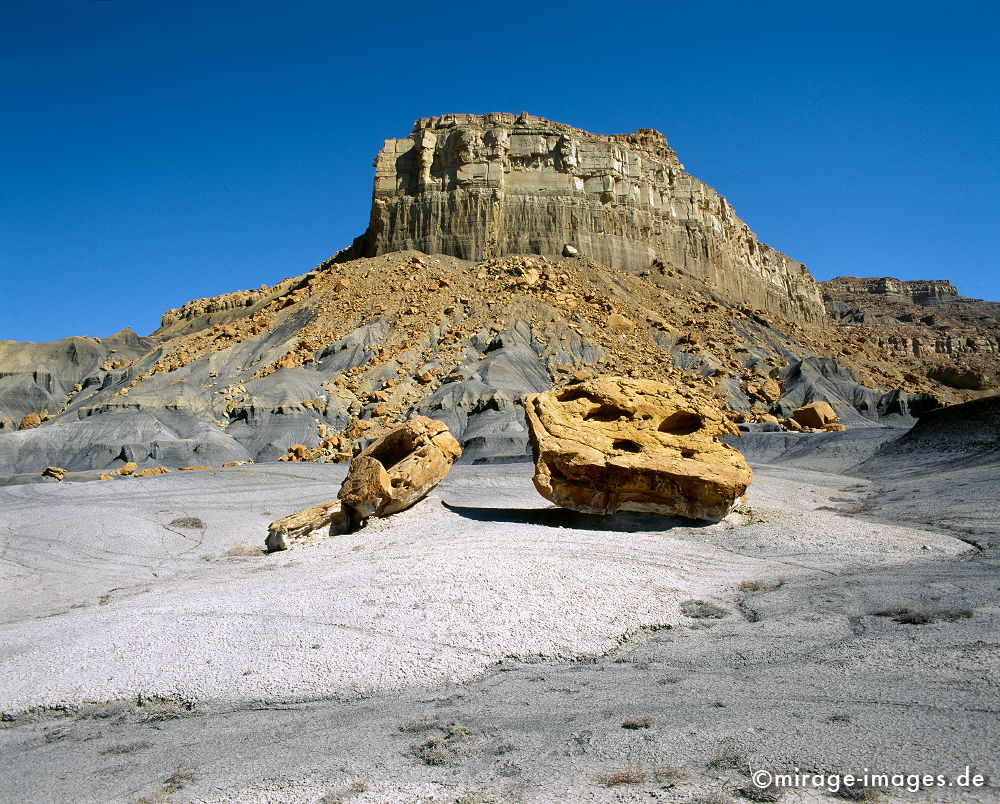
x=482, y=186
x=923, y=326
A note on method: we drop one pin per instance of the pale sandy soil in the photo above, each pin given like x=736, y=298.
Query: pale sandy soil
x=145, y=657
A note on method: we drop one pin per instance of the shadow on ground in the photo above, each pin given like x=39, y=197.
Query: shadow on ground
x=555, y=517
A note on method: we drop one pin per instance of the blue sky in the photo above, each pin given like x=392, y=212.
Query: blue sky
x=157, y=151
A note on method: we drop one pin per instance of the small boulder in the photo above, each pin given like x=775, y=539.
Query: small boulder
x=30, y=422
x=399, y=469
x=301, y=525
x=616, y=444
x=56, y=472
x=156, y=470
x=817, y=414
x=570, y=251
x=127, y=468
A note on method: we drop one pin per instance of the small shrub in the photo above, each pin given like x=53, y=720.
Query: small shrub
x=176, y=780
x=191, y=522
x=634, y=774
x=669, y=680
x=762, y=586
x=418, y=725
x=434, y=751
x=728, y=760
x=702, y=610
x=458, y=731
x=667, y=773
x=642, y=722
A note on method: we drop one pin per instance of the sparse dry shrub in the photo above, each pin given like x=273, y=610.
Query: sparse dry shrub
x=180, y=777
x=458, y=731
x=667, y=773
x=641, y=722
x=633, y=774
x=434, y=751
x=702, y=610
x=418, y=725
x=762, y=586
x=728, y=760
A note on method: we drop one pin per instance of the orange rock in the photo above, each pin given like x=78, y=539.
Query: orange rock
x=817, y=414
x=157, y=470
x=399, y=469
x=615, y=444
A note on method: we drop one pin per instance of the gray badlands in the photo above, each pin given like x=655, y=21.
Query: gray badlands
x=485, y=645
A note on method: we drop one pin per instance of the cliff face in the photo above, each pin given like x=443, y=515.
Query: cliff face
x=482, y=186
x=928, y=292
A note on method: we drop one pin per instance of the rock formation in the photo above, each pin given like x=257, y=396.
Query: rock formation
x=481, y=186
x=399, y=469
x=328, y=518
x=321, y=364
x=816, y=414
x=612, y=444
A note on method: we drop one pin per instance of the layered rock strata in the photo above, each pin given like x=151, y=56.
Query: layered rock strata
x=481, y=186
x=613, y=444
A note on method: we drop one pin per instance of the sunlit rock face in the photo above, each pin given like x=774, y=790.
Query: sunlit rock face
x=480, y=186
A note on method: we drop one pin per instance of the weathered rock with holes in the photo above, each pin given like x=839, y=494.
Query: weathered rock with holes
x=327, y=518
x=399, y=469
x=56, y=472
x=615, y=444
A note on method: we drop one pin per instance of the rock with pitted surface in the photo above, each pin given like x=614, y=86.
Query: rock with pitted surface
x=56, y=472
x=615, y=444
x=325, y=519
x=480, y=186
x=399, y=469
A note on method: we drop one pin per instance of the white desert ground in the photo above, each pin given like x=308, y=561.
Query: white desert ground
x=485, y=646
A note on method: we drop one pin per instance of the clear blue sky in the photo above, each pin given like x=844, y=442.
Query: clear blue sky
x=157, y=151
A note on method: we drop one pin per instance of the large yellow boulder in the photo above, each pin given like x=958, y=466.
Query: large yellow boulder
x=399, y=469
x=615, y=444
x=818, y=415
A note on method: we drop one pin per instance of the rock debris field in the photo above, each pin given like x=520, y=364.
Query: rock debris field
x=485, y=646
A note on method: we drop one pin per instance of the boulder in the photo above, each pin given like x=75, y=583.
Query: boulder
x=127, y=468
x=616, y=444
x=301, y=525
x=156, y=470
x=399, y=469
x=30, y=422
x=56, y=472
x=817, y=414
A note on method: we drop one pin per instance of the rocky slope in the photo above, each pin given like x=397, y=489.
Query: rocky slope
x=624, y=265
x=480, y=186
x=330, y=359
x=924, y=327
